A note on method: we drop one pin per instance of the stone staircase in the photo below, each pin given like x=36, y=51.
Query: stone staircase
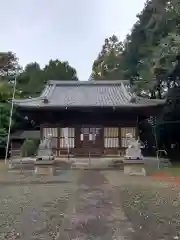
x=15, y=153
x=80, y=164
x=95, y=163
x=164, y=162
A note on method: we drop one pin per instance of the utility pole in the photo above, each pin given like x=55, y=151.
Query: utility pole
x=10, y=118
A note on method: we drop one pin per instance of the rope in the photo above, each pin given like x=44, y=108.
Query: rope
x=10, y=118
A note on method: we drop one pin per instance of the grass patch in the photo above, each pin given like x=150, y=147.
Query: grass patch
x=174, y=170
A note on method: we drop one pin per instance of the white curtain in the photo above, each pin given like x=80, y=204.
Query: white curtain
x=66, y=137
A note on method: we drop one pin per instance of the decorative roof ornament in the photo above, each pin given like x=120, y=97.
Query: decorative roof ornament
x=133, y=99
x=45, y=100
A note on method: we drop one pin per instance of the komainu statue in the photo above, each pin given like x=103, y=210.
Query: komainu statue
x=45, y=149
x=134, y=148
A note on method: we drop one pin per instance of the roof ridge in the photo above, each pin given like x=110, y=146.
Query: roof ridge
x=99, y=82
x=31, y=99
x=48, y=90
x=125, y=92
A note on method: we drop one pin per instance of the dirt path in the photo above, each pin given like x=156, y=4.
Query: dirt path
x=96, y=212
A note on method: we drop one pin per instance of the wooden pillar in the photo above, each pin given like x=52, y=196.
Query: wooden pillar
x=103, y=147
x=120, y=144
x=58, y=140
x=137, y=130
x=41, y=131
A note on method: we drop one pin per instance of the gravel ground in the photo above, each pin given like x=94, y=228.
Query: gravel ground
x=154, y=211
x=152, y=207
x=73, y=205
x=34, y=211
x=87, y=205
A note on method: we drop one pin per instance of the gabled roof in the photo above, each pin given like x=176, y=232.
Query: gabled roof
x=64, y=94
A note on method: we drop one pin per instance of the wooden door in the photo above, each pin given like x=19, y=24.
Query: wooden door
x=89, y=141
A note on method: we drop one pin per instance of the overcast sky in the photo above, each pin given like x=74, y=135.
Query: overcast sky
x=72, y=30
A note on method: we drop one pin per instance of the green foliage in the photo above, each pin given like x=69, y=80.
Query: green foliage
x=107, y=65
x=150, y=58
x=8, y=65
x=147, y=53
x=57, y=70
x=32, y=80
x=29, y=148
x=3, y=136
x=4, y=122
x=4, y=115
x=6, y=91
x=154, y=42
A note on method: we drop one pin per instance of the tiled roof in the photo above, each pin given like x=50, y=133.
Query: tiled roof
x=33, y=134
x=87, y=94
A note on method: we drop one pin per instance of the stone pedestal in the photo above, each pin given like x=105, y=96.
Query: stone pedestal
x=44, y=168
x=134, y=167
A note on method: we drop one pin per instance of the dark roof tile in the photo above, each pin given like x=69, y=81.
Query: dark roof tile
x=33, y=134
x=87, y=94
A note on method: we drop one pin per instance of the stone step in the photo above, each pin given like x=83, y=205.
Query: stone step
x=15, y=152
x=93, y=165
x=165, y=163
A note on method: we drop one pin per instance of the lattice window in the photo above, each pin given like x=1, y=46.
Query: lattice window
x=124, y=132
x=54, y=133
x=50, y=131
x=71, y=138
x=111, y=138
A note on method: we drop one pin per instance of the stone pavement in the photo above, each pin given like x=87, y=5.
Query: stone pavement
x=95, y=211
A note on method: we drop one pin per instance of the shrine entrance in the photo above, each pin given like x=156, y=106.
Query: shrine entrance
x=89, y=141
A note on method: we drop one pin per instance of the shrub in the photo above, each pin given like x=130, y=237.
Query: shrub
x=29, y=147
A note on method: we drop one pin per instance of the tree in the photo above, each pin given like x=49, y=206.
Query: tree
x=153, y=43
x=32, y=80
x=150, y=58
x=57, y=70
x=6, y=92
x=107, y=64
x=8, y=65
x=150, y=52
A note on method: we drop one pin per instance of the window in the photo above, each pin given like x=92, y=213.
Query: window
x=54, y=134
x=124, y=132
x=111, y=138
x=70, y=138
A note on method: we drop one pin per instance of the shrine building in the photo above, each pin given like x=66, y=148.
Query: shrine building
x=88, y=117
